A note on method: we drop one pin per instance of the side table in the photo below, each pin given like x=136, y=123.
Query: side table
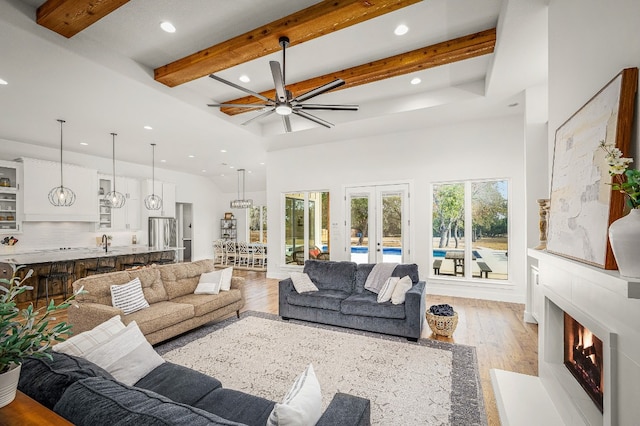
x=25, y=411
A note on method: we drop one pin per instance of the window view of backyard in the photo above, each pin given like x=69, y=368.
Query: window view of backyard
x=258, y=224
x=306, y=214
x=487, y=232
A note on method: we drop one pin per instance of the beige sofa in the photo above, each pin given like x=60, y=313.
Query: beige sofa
x=169, y=289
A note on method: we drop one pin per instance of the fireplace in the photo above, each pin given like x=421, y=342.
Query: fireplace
x=583, y=357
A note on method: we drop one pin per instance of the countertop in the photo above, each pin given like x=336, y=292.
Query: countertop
x=56, y=255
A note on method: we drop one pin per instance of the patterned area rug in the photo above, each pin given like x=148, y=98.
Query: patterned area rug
x=422, y=383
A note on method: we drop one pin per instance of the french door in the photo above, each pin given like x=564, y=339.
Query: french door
x=377, y=221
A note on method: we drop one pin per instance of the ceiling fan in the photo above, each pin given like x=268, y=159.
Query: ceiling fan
x=285, y=104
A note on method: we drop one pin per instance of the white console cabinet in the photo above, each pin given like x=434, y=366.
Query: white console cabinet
x=41, y=176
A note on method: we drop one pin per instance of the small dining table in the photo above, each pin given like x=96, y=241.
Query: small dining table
x=458, y=261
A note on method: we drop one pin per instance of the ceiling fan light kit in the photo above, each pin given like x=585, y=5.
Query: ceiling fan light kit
x=61, y=196
x=114, y=199
x=153, y=201
x=285, y=104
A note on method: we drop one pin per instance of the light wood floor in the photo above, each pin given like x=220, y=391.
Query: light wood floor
x=502, y=339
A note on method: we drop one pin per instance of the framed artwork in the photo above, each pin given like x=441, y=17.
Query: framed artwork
x=582, y=204
x=228, y=216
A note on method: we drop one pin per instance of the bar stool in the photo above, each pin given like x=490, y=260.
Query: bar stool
x=167, y=257
x=61, y=271
x=103, y=265
x=139, y=261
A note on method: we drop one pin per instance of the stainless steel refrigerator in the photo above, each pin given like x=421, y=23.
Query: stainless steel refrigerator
x=162, y=232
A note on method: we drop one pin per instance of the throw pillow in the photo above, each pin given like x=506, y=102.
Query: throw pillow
x=82, y=343
x=302, y=283
x=400, y=292
x=128, y=297
x=225, y=281
x=303, y=403
x=209, y=283
x=127, y=356
x=387, y=289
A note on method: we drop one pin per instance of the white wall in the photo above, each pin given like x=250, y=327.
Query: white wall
x=472, y=150
x=201, y=192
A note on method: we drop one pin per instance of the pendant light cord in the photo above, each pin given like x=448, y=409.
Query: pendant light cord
x=61, y=180
x=113, y=135
x=153, y=169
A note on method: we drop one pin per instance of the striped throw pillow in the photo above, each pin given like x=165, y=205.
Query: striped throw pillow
x=82, y=343
x=128, y=297
x=303, y=403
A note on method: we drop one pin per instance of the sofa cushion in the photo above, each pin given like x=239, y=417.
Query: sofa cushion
x=178, y=383
x=206, y=303
x=81, y=343
x=160, y=315
x=330, y=275
x=98, y=401
x=46, y=380
x=237, y=406
x=152, y=286
x=180, y=279
x=363, y=270
x=366, y=304
x=99, y=287
x=322, y=299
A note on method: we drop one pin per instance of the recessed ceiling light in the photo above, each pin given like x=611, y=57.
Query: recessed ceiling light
x=223, y=150
x=192, y=156
x=416, y=80
x=204, y=171
x=168, y=27
x=244, y=78
x=262, y=164
x=401, y=29
x=231, y=167
x=221, y=174
x=148, y=127
x=163, y=161
x=84, y=143
x=3, y=82
x=249, y=171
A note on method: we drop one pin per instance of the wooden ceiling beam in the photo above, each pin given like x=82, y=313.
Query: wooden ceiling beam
x=69, y=17
x=461, y=48
x=320, y=19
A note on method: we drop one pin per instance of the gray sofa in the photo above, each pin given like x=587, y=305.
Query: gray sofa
x=85, y=394
x=342, y=300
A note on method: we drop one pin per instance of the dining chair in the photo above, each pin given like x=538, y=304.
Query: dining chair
x=218, y=252
x=244, y=256
x=230, y=255
x=259, y=256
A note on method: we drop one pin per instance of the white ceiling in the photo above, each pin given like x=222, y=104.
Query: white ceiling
x=101, y=80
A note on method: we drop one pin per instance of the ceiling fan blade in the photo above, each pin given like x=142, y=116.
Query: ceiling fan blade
x=287, y=123
x=240, y=105
x=319, y=90
x=278, y=81
x=327, y=107
x=251, y=92
x=258, y=117
x=313, y=118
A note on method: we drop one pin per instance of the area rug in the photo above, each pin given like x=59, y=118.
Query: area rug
x=409, y=383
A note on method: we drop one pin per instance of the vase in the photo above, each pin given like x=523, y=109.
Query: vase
x=9, y=385
x=624, y=235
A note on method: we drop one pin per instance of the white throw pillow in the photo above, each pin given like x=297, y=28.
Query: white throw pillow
x=302, y=283
x=128, y=356
x=225, y=281
x=209, y=283
x=82, y=343
x=387, y=289
x=400, y=292
x=128, y=297
x=302, y=405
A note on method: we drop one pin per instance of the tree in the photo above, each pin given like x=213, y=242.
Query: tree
x=489, y=209
x=448, y=212
x=360, y=215
x=392, y=215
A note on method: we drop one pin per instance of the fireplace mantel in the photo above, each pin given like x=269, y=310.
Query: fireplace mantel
x=608, y=305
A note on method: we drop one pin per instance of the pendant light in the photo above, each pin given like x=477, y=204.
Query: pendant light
x=114, y=199
x=241, y=203
x=60, y=196
x=153, y=201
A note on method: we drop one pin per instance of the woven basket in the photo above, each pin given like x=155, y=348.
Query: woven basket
x=441, y=325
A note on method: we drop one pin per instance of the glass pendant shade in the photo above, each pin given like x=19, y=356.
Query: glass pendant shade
x=61, y=196
x=153, y=201
x=114, y=199
x=241, y=203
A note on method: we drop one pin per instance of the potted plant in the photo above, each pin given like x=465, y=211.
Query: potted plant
x=24, y=332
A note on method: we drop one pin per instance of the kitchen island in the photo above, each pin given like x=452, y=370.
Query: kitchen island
x=80, y=259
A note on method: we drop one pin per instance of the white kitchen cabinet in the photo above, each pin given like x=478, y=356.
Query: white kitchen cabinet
x=10, y=197
x=167, y=191
x=126, y=218
x=41, y=176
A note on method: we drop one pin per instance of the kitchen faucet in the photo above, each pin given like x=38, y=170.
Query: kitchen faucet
x=105, y=242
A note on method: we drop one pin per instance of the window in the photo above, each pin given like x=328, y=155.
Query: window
x=258, y=224
x=470, y=229
x=306, y=226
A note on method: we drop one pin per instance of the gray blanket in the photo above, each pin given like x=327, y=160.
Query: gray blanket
x=378, y=276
